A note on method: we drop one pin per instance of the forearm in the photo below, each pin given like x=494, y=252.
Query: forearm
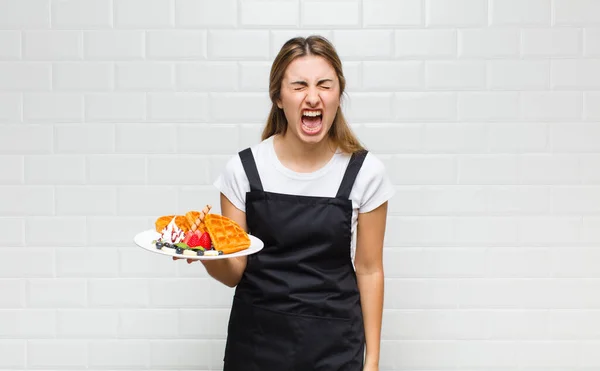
x=371, y=287
x=227, y=271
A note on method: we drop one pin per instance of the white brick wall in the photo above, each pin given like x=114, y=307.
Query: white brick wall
x=485, y=112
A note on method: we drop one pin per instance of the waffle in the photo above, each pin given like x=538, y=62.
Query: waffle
x=196, y=218
x=162, y=222
x=225, y=234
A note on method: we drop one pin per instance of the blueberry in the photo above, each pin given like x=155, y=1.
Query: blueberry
x=220, y=252
x=200, y=252
x=167, y=244
x=179, y=250
x=159, y=244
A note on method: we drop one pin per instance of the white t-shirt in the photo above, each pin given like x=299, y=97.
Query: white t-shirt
x=371, y=188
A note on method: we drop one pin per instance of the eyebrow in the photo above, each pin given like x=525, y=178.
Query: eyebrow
x=304, y=83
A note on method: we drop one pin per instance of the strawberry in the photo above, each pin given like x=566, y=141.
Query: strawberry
x=187, y=238
x=205, y=240
x=194, y=240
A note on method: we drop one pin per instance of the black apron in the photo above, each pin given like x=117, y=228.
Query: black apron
x=297, y=305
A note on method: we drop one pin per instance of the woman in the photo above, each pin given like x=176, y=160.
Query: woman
x=313, y=297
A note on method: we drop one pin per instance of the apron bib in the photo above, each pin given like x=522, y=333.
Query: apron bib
x=297, y=306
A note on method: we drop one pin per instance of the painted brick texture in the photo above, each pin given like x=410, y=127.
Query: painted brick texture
x=486, y=114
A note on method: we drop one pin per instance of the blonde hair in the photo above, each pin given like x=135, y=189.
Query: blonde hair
x=340, y=132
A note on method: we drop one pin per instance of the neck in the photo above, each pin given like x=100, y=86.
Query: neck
x=302, y=157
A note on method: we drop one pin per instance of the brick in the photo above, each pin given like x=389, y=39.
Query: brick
x=422, y=294
x=181, y=44
x=207, y=76
x=115, y=107
x=179, y=165
x=206, y=13
x=88, y=262
x=118, y=293
x=25, y=76
x=119, y=354
x=551, y=42
x=512, y=262
x=518, y=75
x=12, y=169
x=50, y=231
x=366, y=44
x=144, y=76
x=547, y=354
x=455, y=138
x=393, y=76
x=75, y=14
x=555, y=106
x=173, y=293
x=26, y=200
x=426, y=43
x=572, y=325
x=371, y=107
x=574, y=262
x=549, y=169
x=136, y=263
x=191, y=198
x=10, y=107
x=519, y=12
x=148, y=324
x=57, y=353
x=330, y=13
x=352, y=74
x=454, y=200
x=87, y=323
x=518, y=137
x=391, y=138
x=517, y=200
x=122, y=230
x=80, y=139
x=254, y=76
x=259, y=13
x=178, y=107
x=246, y=44
x=114, y=45
x=590, y=230
x=13, y=354
x=52, y=293
x=591, y=42
x=13, y=294
x=592, y=105
x=53, y=170
x=156, y=14
x=378, y=13
x=423, y=169
x=575, y=137
x=576, y=12
x=488, y=43
x=488, y=169
x=140, y=139
x=116, y=169
x=52, y=45
x=11, y=45
x=193, y=324
x=82, y=76
x=489, y=353
x=85, y=201
x=52, y=107
x=545, y=231
x=12, y=231
x=488, y=231
x=145, y=200
x=249, y=107
x=574, y=200
x=279, y=37
x=28, y=324
x=188, y=354
x=456, y=13
x=488, y=106
x=573, y=74
x=25, y=14
x=425, y=106
x=590, y=171
x=461, y=75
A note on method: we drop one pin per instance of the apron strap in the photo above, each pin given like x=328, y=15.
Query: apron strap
x=251, y=170
x=354, y=166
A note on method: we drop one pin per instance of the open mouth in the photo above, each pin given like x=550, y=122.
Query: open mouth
x=312, y=121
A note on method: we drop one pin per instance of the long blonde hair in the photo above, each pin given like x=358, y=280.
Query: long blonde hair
x=340, y=132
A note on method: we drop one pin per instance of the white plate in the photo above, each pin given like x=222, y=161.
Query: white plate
x=144, y=240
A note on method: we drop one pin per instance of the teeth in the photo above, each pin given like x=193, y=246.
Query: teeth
x=312, y=113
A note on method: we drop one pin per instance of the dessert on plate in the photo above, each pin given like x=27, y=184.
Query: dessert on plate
x=198, y=233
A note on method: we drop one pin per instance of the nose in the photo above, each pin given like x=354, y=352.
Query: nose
x=312, y=97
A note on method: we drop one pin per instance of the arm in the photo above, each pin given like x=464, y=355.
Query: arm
x=369, y=272
x=228, y=271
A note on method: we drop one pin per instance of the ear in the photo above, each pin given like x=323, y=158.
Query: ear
x=278, y=103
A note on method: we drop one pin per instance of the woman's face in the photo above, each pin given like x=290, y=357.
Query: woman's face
x=310, y=97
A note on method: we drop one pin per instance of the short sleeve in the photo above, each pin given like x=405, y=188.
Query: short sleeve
x=372, y=185
x=233, y=183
